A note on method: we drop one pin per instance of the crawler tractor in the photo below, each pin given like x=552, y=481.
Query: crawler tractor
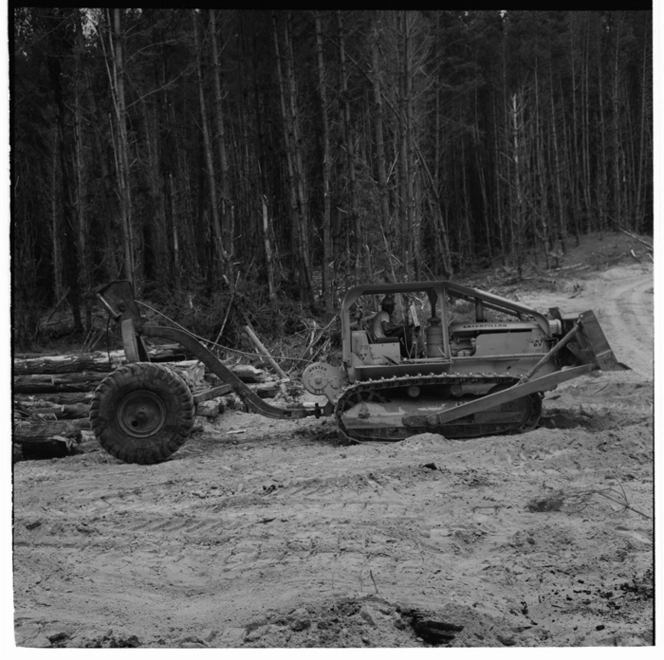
x=477, y=366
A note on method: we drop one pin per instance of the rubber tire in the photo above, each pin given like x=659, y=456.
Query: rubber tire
x=166, y=389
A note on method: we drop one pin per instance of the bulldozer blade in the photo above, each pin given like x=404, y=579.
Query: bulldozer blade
x=592, y=346
x=499, y=398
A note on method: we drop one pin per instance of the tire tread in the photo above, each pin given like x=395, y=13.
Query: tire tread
x=153, y=377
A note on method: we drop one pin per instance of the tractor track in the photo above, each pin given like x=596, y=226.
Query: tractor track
x=382, y=388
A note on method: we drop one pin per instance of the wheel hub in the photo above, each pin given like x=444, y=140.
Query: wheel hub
x=141, y=414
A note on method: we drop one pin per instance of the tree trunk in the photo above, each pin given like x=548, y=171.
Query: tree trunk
x=645, y=142
x=381, y=166
x=81, y=188
x=615, y=126
x=83, y=381
x=227, y=206
x=287, y=137
x=37, y=432
x=29, y=363
x=401, y=132
x=500, y=165
x=110, y=216
x=574, y=176
x=412, y=227
x=122, y=150
x=156, y=233
x=350, y=153
x=516, y=126
x=601, y=156
x=55, y=398
x=65, y=204
x=63, y=364
x=39, y=407
x=175, y=269
x=56, y=233
x=269, y=266
x=220, y=255
x=302, y=249
x=298, y=207
x=560, y=202
x=586, y=136
x=327, y=166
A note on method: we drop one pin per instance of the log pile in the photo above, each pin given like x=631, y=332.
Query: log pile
x=52, y=394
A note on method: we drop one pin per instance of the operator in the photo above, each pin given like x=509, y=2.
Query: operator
x=382, y=326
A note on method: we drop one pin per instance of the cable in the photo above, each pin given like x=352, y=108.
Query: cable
x=108, y=340
x=226, y=348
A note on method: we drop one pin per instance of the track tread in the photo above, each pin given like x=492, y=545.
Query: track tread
x=374, y=388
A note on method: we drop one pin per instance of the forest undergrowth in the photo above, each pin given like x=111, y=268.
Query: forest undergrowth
x=296, y=335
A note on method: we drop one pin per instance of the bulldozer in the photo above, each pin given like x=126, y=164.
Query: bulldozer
x=477, y=365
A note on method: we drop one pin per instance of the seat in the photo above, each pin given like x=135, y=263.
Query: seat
x=368, y=326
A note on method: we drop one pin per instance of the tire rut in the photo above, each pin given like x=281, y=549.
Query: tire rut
x=629, y=330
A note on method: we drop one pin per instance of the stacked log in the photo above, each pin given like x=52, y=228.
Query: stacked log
x=52, y=394
x=85, y=381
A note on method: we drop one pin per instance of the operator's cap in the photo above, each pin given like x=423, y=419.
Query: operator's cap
x=387, y=300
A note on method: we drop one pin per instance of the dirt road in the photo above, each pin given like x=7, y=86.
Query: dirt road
x=263, y=533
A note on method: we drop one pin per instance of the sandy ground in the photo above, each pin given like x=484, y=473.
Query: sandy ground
x=270, y=534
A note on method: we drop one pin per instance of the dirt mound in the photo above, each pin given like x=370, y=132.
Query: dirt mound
x=371, y=621
x=606, y=403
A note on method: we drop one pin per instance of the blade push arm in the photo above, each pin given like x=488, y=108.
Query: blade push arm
x=499, y=398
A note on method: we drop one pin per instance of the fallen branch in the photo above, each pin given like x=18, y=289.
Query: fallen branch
x=316, y=337
x=321, y=349
x=84, y=381
x=39, y=409
x=576, y=500
x=64, y=364
x=228, y=309
x=57, y=304
x=37, y=432
x=61, y=398
x=636, y=238
x=265, y=354
x=32, y=364
x=568, y=267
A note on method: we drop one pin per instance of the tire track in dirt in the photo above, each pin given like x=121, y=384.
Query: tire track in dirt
x=404, y=530
x=623, y=301
x=625, y=312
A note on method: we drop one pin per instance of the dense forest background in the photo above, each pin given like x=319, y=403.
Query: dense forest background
x=256, y=158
